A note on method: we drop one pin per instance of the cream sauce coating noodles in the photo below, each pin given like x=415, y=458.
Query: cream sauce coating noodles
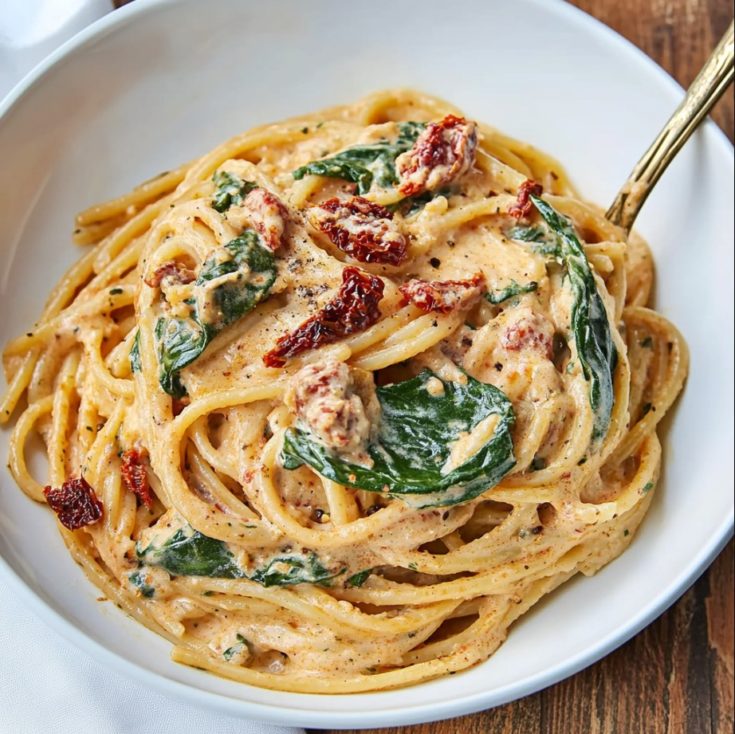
x=353, y=392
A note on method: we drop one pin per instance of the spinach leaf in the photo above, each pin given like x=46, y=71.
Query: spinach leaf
x=181, y=340
x=230, y=652
x=408, y=132
x=291, y=569
x=255, y=269
x=190, y=553
x=590, y=324
x=359, y=578
x=134, y=355
x=414, y=204
x=513, y=289
x=139, y=582
x=364, y=164
x=413, y=442
x=230, y=190
x=549, y=249
x=526, y=234
x=542, y=242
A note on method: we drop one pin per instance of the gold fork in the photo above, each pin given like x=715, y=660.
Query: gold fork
x=711, y=82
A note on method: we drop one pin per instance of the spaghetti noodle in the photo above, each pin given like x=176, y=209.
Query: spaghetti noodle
x=333, y=405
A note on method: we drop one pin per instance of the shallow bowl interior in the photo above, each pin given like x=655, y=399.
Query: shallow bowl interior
x=158, y=83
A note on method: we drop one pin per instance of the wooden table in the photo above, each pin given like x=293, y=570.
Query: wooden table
x=677, y=675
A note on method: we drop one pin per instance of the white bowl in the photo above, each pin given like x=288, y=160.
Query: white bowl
x=158, y=83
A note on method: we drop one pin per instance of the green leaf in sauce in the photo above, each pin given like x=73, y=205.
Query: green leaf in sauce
x=365, y=164
x=290, y=569
x=241, y=643
x=138, y=581
x=541, y=241
x=511, y=290
x=526, y=234
x=230, y=189
x=181, y=340
x=414, y=440
x=254, y=267
x=359, y=578
x=590, y=325
x=190, y=553
x=414, y=204
x=134, y=355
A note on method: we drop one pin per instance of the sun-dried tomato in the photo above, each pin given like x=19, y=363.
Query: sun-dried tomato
x=522, y=206
x=442, y=296
x=178, y=405
x=362, y=229
x=353, y=309
x=75, y=503
x=267, y=215
x=324, y=398
x=444, y=151
x=135, y=476
x=530, y=331
x=173, y=272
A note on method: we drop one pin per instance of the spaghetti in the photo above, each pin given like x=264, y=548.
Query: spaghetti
x=333, y=405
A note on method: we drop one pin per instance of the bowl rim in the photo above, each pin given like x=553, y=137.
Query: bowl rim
x=417, y=713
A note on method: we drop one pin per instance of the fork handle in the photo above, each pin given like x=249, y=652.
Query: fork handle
x=711, y=82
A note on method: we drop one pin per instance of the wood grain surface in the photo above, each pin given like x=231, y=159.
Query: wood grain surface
x=675, y=677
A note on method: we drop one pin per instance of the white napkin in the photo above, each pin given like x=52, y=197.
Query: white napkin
x=46, y=684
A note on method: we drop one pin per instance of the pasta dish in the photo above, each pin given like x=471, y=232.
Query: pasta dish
x=333, y=405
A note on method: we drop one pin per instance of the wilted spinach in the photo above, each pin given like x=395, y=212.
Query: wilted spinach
x=139, y=582
x=287, y=570
x=359, y=578
x=541, y=241
x=241, y=643
x=190, y=553
x=414, y=204
x=590, y=325
x=134, y=355
x=230, y=190
x=526, y=234
x=365, y=164
x=181, y=340
x=414, y=441
x=513, y=289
